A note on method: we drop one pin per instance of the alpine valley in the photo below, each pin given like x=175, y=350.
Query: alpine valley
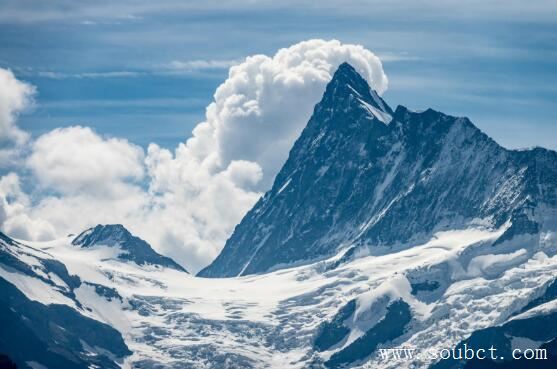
x=384, y=229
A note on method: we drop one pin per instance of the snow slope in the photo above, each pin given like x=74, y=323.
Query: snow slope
x=170, y=319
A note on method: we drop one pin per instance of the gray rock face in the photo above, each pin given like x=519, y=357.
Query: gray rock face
x=134, y=248
x=361, y=174
x=539, y=329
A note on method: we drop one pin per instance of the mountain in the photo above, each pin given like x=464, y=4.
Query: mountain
x=391, y=229
x=55, y=335
x=133, y=248
x=329, y=314
x=364, y=177
x=58, y=308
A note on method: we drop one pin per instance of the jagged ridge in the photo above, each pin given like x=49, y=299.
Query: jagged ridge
x=362, y=175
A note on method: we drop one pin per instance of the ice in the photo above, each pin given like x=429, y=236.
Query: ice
x=379, y=114
x=284, y=185
x=270, y=320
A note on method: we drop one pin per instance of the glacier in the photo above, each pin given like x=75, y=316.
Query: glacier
x=171, y=319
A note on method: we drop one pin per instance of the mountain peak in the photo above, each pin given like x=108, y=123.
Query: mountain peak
x=109, y=234
x=347, y=76
x=362, y=175
x=342, y=135
x=348, y=86
x=346, y=71
x=133, y=248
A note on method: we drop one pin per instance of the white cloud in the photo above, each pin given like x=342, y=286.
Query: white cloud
x=191, y=65
x=175, y=67
x=190, y=200
x=197, y=206
x=77, y=179
x=16, y=216
x=110, y=74
x=15, y=96
x=77, y=160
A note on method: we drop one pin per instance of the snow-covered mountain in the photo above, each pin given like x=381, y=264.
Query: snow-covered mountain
x=132, y=248
x=384, y=229
x=329, y=314
x=361, y=175
x=43, y=324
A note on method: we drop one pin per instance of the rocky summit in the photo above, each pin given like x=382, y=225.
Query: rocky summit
x=363, y=178
x=132, y=248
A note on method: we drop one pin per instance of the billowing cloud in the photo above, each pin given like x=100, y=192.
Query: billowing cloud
x=16, y=213
x=77, y=178
x=15, y=96
x=187, y=202
x=197, y=206
x=77, y=160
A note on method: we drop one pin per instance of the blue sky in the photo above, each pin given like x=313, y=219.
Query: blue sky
x=146, y=72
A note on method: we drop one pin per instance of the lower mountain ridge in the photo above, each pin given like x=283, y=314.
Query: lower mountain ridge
x=132, y=248
x=384, y=229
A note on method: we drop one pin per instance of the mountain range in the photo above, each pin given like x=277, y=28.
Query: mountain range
x=384, y=228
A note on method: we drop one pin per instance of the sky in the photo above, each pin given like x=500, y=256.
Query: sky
x=130, y=113
x=146, y=72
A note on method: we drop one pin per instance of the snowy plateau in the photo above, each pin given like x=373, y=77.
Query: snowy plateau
x=385, y=228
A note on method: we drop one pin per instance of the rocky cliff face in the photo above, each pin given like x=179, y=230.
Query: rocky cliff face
x=363, y=176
